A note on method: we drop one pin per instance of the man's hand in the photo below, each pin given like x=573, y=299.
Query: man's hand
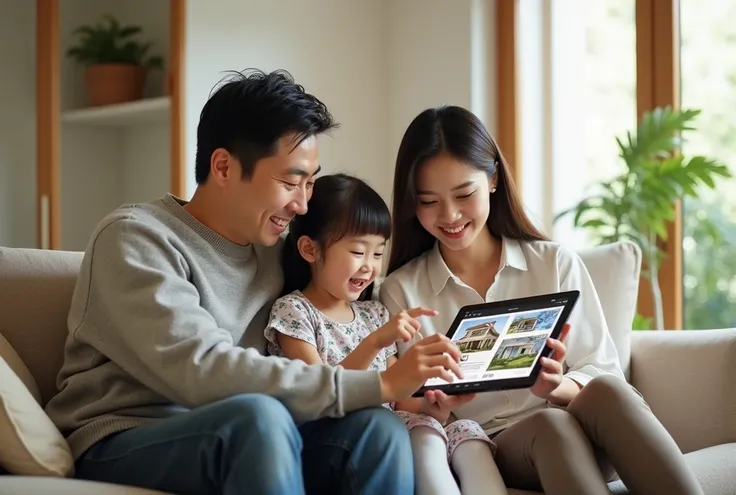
x=403, y=326
x=431, y=357
x=551, y=375
x=439, y=405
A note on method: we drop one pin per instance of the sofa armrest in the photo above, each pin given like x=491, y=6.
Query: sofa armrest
x=687, y=379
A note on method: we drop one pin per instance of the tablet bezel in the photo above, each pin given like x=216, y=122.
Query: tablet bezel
x=541, y=300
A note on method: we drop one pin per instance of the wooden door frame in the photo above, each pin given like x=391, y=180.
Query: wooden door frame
x=177, y=57
x=48, y=125
x=48, y=115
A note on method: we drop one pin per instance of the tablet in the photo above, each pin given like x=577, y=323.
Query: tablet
x=501, y=342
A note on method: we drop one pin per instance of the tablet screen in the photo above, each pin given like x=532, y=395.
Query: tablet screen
x=504, y=342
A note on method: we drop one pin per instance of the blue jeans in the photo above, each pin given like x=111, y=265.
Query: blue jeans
x=250, y=444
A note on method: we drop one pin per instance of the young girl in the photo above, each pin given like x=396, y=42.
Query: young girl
x=332, y=256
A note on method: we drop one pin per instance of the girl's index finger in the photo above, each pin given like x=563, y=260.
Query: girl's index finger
x=417, y=312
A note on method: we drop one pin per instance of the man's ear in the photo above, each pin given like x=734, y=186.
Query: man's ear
x=221, y=166
x=308, y=249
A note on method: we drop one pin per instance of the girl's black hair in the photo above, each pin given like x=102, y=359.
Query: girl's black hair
x=341, y=205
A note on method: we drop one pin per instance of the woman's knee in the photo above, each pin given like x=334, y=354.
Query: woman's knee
x=555, y=426
x=605, y=394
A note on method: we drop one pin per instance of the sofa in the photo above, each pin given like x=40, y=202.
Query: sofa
x=686, y=376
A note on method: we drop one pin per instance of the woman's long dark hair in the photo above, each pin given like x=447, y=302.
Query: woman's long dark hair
x=459, y=133
x=341, y=205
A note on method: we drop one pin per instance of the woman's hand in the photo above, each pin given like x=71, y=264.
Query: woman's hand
x=403, y=326
x=551, y=375
x=439, y=405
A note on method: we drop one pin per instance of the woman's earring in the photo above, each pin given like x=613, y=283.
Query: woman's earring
x=493, y=189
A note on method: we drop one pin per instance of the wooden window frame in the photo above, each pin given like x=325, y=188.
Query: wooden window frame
x=658, y=85
x=506, y=97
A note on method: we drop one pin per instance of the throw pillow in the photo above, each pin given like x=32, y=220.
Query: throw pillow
x=30, y=443
x=18, y=366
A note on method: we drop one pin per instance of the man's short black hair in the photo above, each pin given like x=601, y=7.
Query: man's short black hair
x=250, y=112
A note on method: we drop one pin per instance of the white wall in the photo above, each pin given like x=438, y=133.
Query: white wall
x=17, y=123
x=440, y=53
x=334, y=48
x=376, y=64
x=146, y=155
x=103, y=167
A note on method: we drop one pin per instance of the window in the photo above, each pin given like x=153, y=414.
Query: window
x=593, y=99
x=708, y=83
x=587, y=71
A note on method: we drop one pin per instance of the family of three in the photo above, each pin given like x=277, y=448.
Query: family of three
x=210, y=353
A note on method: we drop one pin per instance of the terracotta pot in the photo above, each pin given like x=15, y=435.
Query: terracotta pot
x=108, y=84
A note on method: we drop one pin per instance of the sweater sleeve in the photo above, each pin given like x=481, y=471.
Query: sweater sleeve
x=144, y=315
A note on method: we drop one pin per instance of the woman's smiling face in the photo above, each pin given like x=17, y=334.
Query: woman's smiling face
x=453, y=200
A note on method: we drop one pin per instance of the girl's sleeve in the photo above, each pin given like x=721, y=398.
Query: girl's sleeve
x=291, y=317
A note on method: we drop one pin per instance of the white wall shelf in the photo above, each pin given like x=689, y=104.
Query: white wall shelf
x=122, y=115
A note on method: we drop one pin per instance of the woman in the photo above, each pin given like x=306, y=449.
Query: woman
x=461, y=237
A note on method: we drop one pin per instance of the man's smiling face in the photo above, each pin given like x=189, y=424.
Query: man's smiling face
x=261, y=207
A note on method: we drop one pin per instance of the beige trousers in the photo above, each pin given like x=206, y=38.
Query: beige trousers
x=608, y=428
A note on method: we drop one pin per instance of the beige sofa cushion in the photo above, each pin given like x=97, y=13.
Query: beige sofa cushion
x=35, y=293
x=26, y=485
x=30, y=444
x=615, y=270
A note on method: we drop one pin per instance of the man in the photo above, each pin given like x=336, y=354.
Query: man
x=164, y=384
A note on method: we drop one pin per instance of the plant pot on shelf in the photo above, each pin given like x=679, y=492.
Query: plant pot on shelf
x=108, y=84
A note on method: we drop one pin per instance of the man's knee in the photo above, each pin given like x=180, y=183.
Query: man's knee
x=253, y=415
x=381, y=431
x=379, y=419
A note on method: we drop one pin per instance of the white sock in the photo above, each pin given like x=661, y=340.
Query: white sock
x=431, y=468
x=475, y=467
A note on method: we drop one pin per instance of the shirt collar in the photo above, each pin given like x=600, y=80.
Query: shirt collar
x=512, y=255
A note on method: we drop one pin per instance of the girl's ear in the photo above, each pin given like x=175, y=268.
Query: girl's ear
x=307, y=249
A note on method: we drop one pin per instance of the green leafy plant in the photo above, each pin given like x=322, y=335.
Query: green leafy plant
x=108, y=42
x=637, y=204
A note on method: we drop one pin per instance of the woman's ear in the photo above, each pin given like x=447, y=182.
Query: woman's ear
x=492, y=183
x=307, y=249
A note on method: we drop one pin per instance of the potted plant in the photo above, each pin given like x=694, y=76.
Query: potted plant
x=637, y=204
x=116, y=64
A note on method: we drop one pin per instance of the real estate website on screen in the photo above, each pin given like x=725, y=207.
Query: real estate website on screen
x=502, y=345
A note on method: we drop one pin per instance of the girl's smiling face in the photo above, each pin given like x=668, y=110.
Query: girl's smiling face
x=347, y=267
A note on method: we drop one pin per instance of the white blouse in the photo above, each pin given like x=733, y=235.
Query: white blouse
x=526, y=269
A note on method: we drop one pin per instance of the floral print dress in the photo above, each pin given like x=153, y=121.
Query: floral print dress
x=295, y=316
